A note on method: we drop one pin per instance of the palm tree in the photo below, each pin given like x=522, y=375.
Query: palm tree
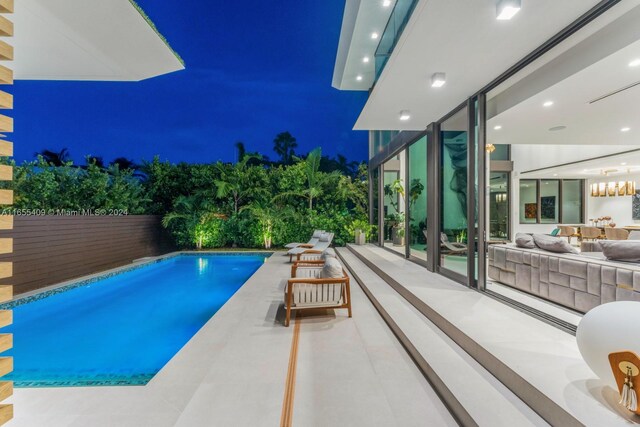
x=54, y=158
x=235, y=182
x=311, y=167
x=284, y=145
x=196, y=211
x=267, y=216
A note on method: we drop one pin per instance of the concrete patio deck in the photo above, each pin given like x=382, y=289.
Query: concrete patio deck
x=350, y=372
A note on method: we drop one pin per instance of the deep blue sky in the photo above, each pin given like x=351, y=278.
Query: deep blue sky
x=254, y=69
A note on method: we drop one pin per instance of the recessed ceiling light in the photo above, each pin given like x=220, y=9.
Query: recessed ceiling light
x=374, y=35
x=548, y=104
x=365, y=59
x=634, y=63
x=506, y=9
x=498, y=127
x=625, y=129
x=359, y=78
x=557, y=128
x=386, y=3
x=405, y=115
x=623, y=163
x=438, y=79
x=555, y=174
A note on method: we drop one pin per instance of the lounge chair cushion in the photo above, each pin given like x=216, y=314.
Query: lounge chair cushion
x=332, y=269
x=525, y=241
x=621, y=250
x=324, y=237
x=553, y=244
x=317, y=234
x=328, y=253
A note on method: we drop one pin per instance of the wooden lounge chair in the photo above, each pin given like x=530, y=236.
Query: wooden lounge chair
x=317, y=248
x=313, y=292
x=452, y=248
x=315, y=238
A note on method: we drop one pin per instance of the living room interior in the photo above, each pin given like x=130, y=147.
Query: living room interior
x=560, y=140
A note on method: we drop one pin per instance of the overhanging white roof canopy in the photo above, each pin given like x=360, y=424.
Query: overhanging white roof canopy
x=110, y=40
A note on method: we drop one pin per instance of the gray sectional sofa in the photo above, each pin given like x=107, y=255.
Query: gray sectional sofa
x=580, y=282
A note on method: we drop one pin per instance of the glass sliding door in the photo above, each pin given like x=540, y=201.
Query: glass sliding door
x=394, y=191
x=417, y=199
x=454, y=244
x=374, y=200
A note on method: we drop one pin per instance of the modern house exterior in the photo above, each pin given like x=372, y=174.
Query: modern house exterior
x=489, y=119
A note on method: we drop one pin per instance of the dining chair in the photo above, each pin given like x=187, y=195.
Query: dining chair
x=616, y=233
x=590, y=233
x=567, y=231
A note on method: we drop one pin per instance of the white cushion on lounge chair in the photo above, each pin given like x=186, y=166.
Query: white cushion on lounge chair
x=324, y=237
x=317, y=234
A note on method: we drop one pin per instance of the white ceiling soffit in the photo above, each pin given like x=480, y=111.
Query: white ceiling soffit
x=464, y=40
x=361, y=19
x=87, y=40
x=593, y=88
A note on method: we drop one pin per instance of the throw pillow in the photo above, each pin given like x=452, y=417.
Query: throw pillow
x=328, y=253
x=621, y=250
x=332, y=269
x=554, y=244
x=525, y=241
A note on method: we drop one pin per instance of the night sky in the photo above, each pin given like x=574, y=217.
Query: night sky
x=253, y=69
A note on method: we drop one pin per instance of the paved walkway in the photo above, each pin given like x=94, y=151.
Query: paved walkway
x=233, y=372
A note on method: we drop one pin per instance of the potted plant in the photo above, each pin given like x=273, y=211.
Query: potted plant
x=360, y=230
x=398, y=234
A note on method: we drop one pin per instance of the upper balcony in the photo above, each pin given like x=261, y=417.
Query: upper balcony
x=370, y=31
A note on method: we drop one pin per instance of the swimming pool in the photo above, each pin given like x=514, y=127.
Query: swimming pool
x=122, y=328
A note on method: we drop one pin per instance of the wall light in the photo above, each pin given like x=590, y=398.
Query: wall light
x=405, y=115
x=507, y=9
x=386, y=3
x=438, y=79
x=374, y=35
x=498, y=127
x=365, y=59
x=548, y=104
x=625, y=129
x=634, y=63
x=359, y=78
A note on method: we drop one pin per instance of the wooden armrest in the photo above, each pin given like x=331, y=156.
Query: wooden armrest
x=310, y=262
x=317, y=281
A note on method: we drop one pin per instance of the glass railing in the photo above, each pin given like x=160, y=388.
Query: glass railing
x=397, y=21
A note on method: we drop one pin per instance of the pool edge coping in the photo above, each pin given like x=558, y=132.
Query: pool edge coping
x=104, y=274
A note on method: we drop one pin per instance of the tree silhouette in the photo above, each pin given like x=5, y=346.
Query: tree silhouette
x=241, y=150
x=94, y=160
x=284, y=145
x=124, y=163
x=54, y=158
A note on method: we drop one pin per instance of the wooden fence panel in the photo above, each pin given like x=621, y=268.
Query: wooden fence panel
x=51, y=249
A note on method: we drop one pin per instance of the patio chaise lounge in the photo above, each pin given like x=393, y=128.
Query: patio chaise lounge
x=318, y=248
x=315, y=238
x=317, y=286
x=452, y=248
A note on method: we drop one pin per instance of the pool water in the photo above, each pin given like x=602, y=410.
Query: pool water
x=122, y=329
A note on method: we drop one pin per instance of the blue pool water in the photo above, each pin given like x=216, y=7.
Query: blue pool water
x=122, y=329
